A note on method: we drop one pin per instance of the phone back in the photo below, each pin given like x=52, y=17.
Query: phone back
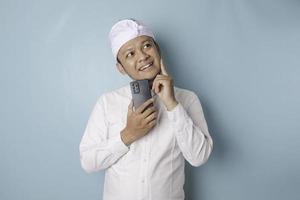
x=140, y=91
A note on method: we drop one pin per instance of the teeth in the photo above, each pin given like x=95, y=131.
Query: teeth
x=145, y=67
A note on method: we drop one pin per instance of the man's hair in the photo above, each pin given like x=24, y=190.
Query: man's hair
x=155, y=45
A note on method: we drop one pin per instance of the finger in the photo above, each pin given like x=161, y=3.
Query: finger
x=153, y=84
x=151, y=117
x=148, y=111
x=162, y=77
x=163, y=68
x=159, y=77
x=144, y=105
x=158, y=84
x=157, y=87
x=130, y=107
x=152, y=123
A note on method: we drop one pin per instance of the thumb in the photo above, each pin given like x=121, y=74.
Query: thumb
x=130, y=107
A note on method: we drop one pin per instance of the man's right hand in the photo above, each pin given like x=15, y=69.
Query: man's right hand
x=139, y=122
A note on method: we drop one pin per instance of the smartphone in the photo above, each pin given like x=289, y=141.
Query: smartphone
x=140, y=91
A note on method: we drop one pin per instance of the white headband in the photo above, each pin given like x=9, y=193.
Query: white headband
x=126, y=30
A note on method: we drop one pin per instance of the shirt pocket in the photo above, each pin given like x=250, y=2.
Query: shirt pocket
x=114, y=130
x=116, y=125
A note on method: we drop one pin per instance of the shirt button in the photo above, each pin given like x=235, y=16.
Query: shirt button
x=145, y=159
x=143, y=181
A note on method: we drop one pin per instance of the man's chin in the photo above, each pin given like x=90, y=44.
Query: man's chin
x=152, y=76
x=147, y=76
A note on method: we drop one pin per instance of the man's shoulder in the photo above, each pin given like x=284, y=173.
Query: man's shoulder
x=123, y=90
x=184, y=96
x=183, y=93
x=116, y=94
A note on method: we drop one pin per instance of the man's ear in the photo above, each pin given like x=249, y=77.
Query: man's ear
x=121, y=68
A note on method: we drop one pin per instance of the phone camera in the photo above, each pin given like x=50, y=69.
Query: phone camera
x=136, y=88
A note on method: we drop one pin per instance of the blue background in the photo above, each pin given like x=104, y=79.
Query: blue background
x=241, y=58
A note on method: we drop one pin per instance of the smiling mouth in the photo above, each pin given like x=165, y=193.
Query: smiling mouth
x=146, y=67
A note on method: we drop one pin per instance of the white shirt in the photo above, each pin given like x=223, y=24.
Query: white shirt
x=151, y=168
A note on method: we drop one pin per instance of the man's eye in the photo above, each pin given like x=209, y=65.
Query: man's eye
x=130, y=54
x=147, y=45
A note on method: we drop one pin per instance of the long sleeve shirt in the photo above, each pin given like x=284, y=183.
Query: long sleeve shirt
x=152, y=167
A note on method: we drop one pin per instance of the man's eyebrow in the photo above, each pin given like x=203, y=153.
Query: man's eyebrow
x=130, y=48
x=147, y=40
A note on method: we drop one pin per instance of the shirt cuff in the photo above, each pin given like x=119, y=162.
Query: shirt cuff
x=177, y=115
x=118, y=146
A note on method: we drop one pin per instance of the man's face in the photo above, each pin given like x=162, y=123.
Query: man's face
x=139, y=58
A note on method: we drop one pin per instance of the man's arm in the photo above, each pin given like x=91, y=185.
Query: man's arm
x=97, y=150
x=189, y=126
x=191, y=132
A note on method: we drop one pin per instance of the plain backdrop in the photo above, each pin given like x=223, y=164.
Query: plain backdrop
x=241, y=57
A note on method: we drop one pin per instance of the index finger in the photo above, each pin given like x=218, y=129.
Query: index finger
x=144, y=105
x=163, y=68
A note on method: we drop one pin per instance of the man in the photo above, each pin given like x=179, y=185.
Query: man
x=143, y=150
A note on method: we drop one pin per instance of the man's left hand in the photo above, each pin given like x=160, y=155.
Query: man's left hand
x=163, y=87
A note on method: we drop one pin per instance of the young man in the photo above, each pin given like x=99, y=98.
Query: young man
x=143, y=151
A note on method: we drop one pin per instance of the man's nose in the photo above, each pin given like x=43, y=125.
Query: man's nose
x=143, y=56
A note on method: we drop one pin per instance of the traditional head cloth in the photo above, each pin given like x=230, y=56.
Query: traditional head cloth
x=125, y=30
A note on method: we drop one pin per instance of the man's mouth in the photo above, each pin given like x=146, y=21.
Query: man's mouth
x=146, y=67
